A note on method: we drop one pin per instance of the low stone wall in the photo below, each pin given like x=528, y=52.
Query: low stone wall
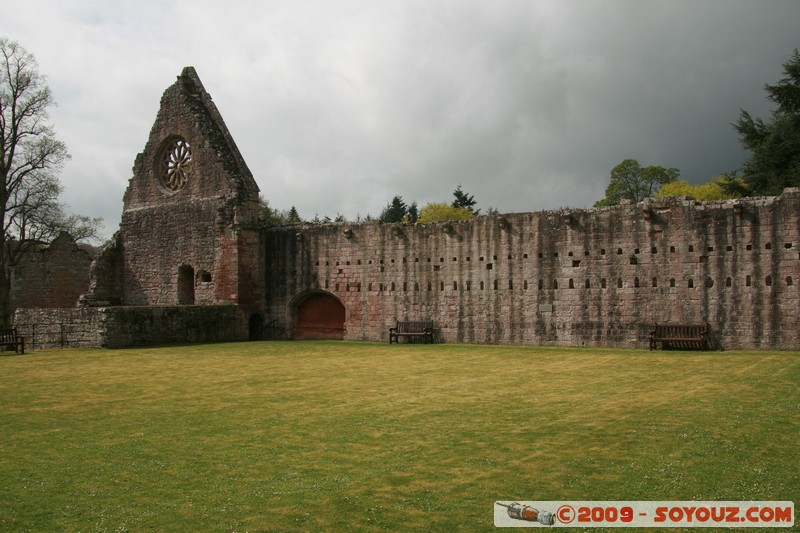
x=118, y=327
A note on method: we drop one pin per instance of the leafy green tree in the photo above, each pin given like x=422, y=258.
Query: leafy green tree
x=30, y=159
x=441, y=212
x=774, y=163
x=631, y=181
x=465, y=200
x=395, y=211
x=718, y=188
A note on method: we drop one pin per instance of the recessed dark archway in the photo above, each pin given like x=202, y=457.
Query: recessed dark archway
x=318, y=315
x=185, y=285
x=255, y=327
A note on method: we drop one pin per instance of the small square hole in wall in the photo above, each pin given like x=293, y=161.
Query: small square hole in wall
x=749, y=247
x=524, y=256
x=489, y=266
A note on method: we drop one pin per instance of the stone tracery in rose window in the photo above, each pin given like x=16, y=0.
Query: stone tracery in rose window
x=176, y=164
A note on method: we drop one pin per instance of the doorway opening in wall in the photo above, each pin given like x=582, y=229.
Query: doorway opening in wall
x=318, y=315
x=185, y=285
x=256, y=327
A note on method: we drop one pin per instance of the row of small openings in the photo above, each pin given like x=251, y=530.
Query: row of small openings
x=637, y=283
x=467, y=285
x=416, y=260
x=586, y=253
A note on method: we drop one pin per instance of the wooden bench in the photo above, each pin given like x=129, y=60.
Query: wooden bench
x=680, y=336
x=419, y=328
x=9, y=340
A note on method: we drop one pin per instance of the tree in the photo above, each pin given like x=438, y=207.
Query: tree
x=719, y=188
x=395, y=211
x=413, y=213
x=632, y=182
x=465, y=200
x=293, y=217
x=441, y=212
x=30, y=158
x=774, y=163
x=268, y=215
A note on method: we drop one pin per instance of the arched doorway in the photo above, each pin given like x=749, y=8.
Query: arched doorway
x=185, y=285
x=319, y=315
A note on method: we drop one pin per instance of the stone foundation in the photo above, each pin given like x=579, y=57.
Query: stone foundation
x=119, y=327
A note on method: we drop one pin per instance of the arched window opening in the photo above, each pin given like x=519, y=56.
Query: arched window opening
x=185, y=285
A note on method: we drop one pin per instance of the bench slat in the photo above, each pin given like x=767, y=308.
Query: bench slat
x=411, y=328
x=680, y=335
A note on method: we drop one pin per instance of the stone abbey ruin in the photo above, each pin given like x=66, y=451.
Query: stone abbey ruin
x=191, y=263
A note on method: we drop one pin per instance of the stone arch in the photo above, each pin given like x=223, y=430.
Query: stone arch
x=318, y=315
x=185, y=285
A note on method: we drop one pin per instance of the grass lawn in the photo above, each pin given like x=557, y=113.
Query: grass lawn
x=362, y=436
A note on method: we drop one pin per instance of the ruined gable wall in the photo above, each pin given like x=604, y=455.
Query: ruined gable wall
x=167, y=232
x=593, y=277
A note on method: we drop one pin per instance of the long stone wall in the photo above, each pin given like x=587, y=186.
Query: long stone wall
x=123, y=326
x=590, y=277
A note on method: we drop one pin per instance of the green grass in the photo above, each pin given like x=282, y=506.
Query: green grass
x=362, y=436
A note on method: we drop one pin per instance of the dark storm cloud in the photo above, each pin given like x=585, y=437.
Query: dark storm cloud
x=339, y=106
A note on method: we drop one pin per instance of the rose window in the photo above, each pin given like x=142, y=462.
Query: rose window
x=176, y=164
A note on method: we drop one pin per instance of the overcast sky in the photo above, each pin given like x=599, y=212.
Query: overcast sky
x=337, y=106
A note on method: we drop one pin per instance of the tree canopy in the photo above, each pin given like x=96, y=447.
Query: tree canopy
x=719, y=188
x=774, y=162
x=441, y=212
x=467, y=201
x=30, y=159
x=630, y=181
x=398, y=211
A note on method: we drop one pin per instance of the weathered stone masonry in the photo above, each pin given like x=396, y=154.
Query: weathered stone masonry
x=593, y=277
x=191, y=263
